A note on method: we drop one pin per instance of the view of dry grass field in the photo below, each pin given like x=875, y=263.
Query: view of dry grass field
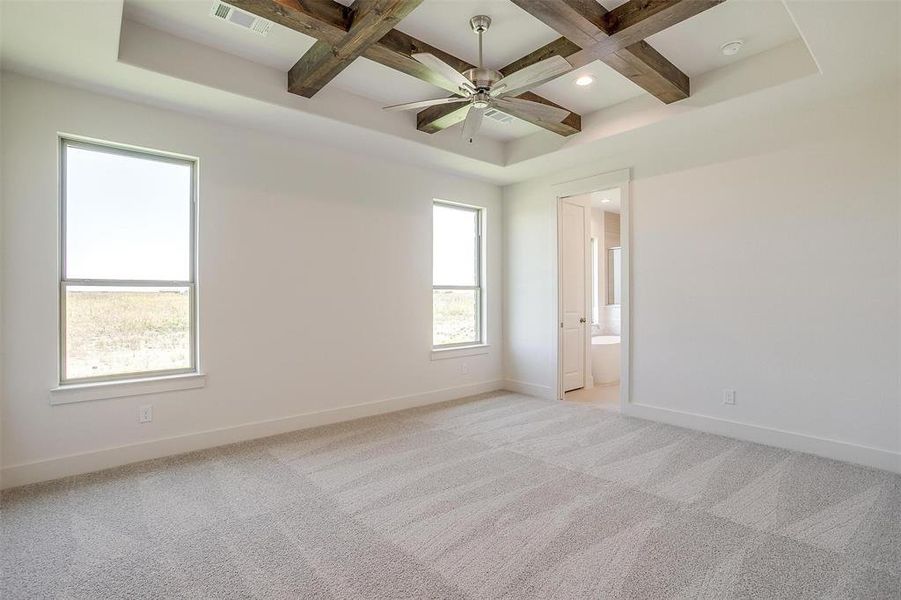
x=116, y=332
x=454, y=317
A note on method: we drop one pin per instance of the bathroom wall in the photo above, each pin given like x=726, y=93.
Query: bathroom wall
x=611, y=229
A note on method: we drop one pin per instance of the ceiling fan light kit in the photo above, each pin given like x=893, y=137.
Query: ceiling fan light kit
x=487, y=89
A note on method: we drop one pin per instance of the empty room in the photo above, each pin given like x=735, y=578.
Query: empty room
x=445, y=299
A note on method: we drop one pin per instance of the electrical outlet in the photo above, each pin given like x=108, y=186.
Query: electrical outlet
x=729, y=397
x=464, y=367
x=145, y=413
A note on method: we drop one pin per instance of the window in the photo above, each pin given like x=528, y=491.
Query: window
x=127, y=264
x=456, y=275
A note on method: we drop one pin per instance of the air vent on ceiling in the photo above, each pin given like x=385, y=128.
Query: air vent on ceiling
x=498, y=116
x=244, y=20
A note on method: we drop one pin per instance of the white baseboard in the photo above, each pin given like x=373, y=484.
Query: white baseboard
x=86, y=462
x=853, y=453
x=530, y=389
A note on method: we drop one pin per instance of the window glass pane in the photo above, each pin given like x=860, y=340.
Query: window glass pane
x=127, y=217
x=112, y=331
x=454, y=246
x=455, y=316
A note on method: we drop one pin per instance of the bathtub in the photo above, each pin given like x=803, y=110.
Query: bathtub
x=605, y=359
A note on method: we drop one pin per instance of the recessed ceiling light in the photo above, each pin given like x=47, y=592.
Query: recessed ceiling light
x=585, y=80
x=731, y=48
x=605, y=201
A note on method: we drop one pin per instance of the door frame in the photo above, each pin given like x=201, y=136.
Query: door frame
x=623, y=180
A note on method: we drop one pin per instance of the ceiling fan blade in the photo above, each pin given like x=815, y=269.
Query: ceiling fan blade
x=444, y=70
x=425, y=103
x=531, y=76
x=530, y=111
x=472, y=123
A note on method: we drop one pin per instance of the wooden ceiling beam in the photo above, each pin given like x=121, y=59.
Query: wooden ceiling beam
x=570, y=125
x=582, y=23
x=370, y=21
x=636, y=20
x=579, y=21
x=559, y=47
x=329, y=22
x=438, y=118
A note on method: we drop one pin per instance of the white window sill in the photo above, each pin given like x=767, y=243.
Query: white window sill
x=83, y=392
x=459, y=352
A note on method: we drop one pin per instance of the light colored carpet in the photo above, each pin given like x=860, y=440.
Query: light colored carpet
x=501, y=496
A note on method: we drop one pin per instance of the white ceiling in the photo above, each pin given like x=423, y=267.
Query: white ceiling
x=190, y=19
x=693, y=46
x=280, y=49
x=846, y=46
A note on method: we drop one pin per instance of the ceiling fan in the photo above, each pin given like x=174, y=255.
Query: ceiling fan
x=485, y=88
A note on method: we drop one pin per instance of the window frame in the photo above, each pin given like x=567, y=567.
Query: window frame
x=68, y=141
x=479, y=276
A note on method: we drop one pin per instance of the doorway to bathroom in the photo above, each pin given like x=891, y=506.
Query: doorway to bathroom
x=593, y=286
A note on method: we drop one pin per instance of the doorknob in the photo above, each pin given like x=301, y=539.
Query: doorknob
x=582, y=320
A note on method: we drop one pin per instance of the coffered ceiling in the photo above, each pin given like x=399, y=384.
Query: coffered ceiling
x=692, y=45
x=175, y=55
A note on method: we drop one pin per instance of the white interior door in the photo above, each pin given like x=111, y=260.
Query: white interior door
x=574, y=222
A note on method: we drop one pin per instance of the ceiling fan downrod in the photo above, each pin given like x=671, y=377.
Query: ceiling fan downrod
x=480, y=24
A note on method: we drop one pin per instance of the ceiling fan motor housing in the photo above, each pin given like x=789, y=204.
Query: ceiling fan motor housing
x=482, y=78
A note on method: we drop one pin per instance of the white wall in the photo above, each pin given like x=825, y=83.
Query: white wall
x=314, y=285
x=786, y=289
